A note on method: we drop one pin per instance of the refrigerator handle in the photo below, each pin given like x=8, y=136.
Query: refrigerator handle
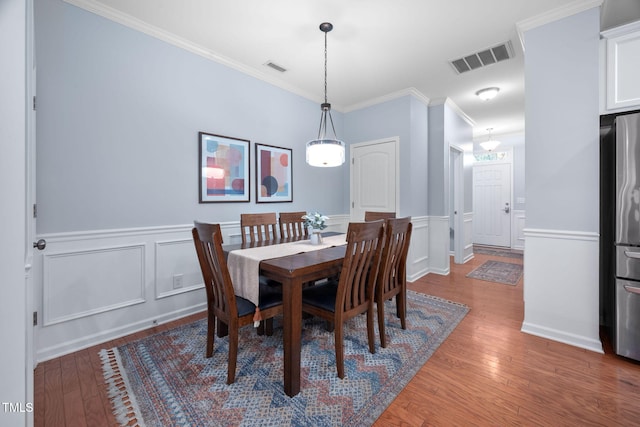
x=630, y=254
x=632, y=289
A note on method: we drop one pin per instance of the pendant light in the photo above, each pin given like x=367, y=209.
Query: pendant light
x=325, y=151
x=490, y=144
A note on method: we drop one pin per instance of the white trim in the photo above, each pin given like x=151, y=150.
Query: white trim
x=448, y=102
x=517, y=229
x=561, y=234
x=591, y=344
x=389, y=97
x=439, y=260
x=621, y=30
x=553, y=15
x=418, y=256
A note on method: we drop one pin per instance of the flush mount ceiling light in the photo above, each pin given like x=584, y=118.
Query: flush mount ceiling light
x=490, y=144
x=325, y=151
x=488, y=93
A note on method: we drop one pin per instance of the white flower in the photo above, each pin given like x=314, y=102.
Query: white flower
x=315, y=220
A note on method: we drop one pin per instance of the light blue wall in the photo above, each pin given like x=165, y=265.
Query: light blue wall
x=406, y=118
x=118, y=117
x=562, y=145
x=446, y=128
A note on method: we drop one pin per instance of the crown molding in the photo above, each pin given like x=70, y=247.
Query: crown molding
x=389, y=97
x=553, y=15
x=129, y=21
x=449, y=103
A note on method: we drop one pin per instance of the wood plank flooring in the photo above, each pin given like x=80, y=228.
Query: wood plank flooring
x=486, y=373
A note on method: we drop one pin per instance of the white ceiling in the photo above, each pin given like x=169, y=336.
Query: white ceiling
x=377, y=48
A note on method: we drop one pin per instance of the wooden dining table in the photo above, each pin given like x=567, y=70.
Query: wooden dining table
x=293, y=271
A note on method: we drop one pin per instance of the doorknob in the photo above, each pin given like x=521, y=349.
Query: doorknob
x=507, y=209
x=40, y=244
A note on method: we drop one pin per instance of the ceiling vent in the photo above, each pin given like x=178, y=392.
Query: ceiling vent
x=275, y=66
x=483, y=58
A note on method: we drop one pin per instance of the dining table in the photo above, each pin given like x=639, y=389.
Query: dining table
x=293, y=271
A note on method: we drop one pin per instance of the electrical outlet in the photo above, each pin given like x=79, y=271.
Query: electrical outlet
x=177, y=281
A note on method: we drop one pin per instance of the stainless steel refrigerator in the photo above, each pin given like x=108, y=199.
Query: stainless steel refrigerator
x=626, y=320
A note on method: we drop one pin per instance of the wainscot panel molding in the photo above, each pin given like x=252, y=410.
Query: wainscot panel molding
x=439, y=243
x=468, y=236
x=99, y=285
x=418, y=256
x=82, y=283
x=517, y=229
x=561, y=287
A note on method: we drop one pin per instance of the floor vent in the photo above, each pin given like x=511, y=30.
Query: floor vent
x=483, y=58
x=275, y=66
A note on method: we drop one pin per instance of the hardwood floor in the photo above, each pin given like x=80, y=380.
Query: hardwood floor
x=486, y=373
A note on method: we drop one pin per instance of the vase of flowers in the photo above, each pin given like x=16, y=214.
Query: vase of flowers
x=315, y=222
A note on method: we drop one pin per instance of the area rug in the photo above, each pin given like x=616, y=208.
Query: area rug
x=498, y=271
x=485, y=250
x=165, y=379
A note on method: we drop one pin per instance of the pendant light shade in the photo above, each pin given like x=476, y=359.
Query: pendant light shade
x=325, y=151
x=490, y=144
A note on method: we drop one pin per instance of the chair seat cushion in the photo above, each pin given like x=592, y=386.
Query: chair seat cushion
x=322, y=295
x=244, y=306
x=270, y=296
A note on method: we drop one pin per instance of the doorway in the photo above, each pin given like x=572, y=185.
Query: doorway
x=492, y=204
x=456, y=203
x=374, y=178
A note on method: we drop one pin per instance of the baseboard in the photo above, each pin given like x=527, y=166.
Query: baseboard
x=563, y=337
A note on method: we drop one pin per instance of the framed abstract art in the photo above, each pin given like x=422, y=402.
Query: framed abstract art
x=224, y=168
x=273, y=174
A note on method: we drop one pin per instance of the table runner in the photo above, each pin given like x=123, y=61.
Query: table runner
x=244, y=264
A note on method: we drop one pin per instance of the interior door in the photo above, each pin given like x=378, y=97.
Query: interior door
x=456, y=216
x=492, y=204
x=374, y=178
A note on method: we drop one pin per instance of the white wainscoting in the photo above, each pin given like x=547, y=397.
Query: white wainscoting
x=96, y=286
x=517, y=229
x=439, y=242
x=418, y=256
x=468, y=235
x=561, y=287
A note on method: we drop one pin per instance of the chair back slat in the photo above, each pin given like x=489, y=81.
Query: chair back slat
x=393, y=264
x=217, y=280
x=374, y=216
x=292, y=224
x=360, y=266
x=259, y=227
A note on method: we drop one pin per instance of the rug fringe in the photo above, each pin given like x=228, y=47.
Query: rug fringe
x=125, y=407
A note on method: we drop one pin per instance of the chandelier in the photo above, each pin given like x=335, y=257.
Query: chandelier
x=325, y=151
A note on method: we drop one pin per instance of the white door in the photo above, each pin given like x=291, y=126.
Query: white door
x=374, y=178
x=492, y=204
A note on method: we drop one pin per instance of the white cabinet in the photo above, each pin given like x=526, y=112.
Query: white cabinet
x=623, y=67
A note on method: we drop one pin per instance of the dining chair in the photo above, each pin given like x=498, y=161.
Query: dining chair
x=222, y=303
x=259, y=226
x=352, y=295
x=392, y=274
x=374, y=216
x=292, y=225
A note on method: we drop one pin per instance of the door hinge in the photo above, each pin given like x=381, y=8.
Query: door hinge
x=34, y=103
x=353, y=204
x=353, y=160
x=35, y=318
x=35, y=210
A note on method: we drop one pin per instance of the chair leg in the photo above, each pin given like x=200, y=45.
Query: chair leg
x=401, y=307
x=383, y=337
x=371, y=336
x=339, y=351
x=223, y=329
x=211, y=322
x=233, y=356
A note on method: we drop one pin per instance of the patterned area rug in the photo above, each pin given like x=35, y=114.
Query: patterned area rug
x=498, y=271
x=487, y=250
x=165, y=380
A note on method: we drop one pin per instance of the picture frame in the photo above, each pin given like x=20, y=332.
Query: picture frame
x=223, y=168
x=274, y=174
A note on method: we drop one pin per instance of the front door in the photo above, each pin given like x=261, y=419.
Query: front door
x=492, y=204
x=374, y=178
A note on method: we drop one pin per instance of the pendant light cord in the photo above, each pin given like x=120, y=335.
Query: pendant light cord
x=325, y=68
